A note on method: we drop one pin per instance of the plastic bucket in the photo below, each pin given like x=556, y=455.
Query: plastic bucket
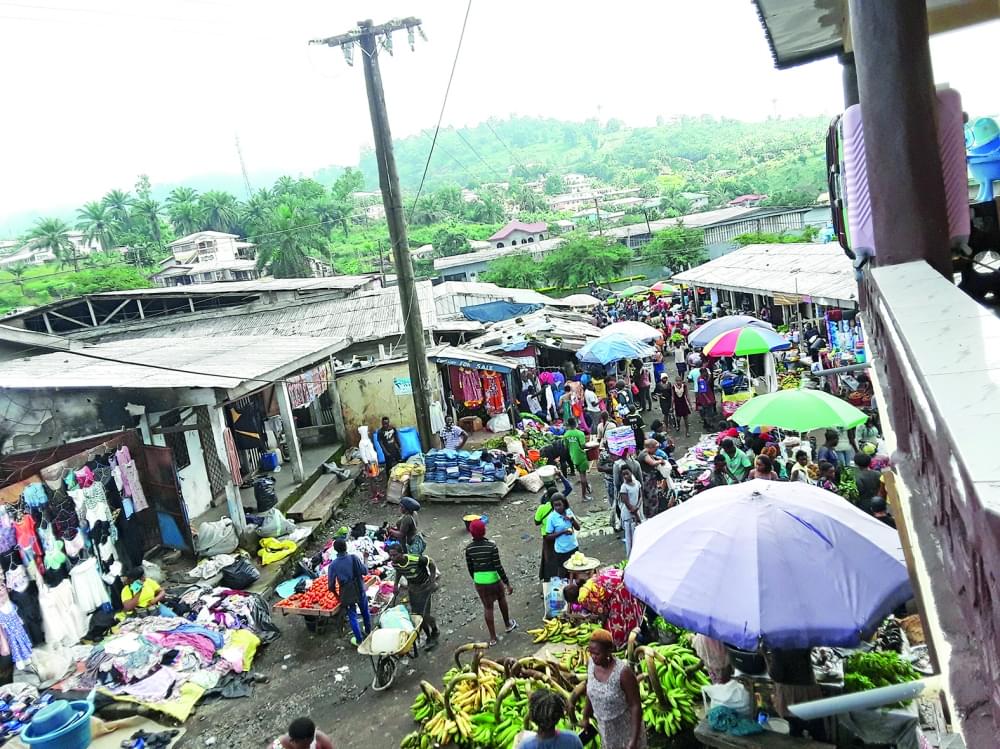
x=60, y=725
x=593, y=450
x=547, y=473
x=534, y=455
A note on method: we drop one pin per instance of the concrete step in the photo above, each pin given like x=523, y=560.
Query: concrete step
x=319, y=502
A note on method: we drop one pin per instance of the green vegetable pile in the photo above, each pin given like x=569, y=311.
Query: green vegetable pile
x=864, y=671
x=848, y=487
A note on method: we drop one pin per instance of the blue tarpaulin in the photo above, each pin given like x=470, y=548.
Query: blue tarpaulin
x=497, y=311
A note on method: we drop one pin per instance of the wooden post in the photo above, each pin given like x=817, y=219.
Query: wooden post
x=896, y=87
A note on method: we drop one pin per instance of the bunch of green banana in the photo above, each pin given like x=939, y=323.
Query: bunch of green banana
x=560, y=630
x=671, y=682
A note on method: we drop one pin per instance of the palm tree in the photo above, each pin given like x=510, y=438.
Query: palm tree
x=119, y=202
x=149, y=210
x=284, y=248
x=257, y=212
x=182, y=195
x=17, y=270
x=53, y=234
x=186, y=217
x=221, y=210
x=96, y=222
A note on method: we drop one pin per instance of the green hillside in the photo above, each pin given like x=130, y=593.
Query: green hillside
x=783, y=158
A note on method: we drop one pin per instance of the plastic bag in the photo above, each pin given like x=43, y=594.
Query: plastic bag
x=732, y=694
x=555, y=602
x=499, y=423
x=396, y=618
x=409, y=441
x=274, y=524
x=218, y=537
x=264, y=493
x=239, y=575
x=153, y=571
x=388, y=640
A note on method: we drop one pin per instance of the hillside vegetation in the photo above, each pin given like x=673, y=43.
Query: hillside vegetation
x=320, y=216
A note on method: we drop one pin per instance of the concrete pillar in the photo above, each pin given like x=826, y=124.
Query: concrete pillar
x=338, y=409
x=288, y=422
x=896, y=87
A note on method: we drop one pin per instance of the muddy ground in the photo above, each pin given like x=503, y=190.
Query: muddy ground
x=323, y=676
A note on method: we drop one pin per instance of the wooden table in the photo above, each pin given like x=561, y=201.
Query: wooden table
x=767, y=740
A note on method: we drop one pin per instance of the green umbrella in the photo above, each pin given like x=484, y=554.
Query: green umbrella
x=799, y=411
x=634, y=290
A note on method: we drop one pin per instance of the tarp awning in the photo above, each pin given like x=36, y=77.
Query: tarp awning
x=456, y=356
x=497, y=311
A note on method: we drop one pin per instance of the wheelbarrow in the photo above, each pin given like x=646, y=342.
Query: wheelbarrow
x=384, y=664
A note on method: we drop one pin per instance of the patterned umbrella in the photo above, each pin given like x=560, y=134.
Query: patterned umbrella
x=705, y=333
x=745, y=341
x=662, y=287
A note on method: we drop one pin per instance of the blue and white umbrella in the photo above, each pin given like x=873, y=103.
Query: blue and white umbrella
x=614, y=347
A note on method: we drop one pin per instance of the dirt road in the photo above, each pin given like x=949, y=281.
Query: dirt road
x=322, y=676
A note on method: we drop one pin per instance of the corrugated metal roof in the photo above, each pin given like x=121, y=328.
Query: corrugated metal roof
x=249, y=287
x=560, y=329
x=534, y=248
x=699, y=220
x=820, y=271
x=451, y=296
x=362, y=316
x=216, y=362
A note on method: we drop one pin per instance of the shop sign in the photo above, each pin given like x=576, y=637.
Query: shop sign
x=619, y=438
x=402, y=386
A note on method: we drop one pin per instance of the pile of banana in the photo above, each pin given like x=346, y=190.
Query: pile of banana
x=485, y=704
x=560, y=630
x=670, y=682
x=789, y=381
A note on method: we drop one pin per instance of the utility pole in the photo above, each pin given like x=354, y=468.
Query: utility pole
x=597, y=215
x=369, y=36
x=381, y=262
x=243, y=168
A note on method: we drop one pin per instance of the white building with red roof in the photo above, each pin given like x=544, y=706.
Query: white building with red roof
x=517, y=233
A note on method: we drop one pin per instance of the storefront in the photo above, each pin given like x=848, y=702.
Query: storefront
x=477, y=387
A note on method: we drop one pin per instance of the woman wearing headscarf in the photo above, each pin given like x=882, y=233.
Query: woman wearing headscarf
x=605, y=595
x=405, y=530
x=612, y=696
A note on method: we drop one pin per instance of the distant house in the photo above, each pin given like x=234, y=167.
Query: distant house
x=517, y=233
x=574, y=201
x=319, y=268
x=24, y=254
x=747, y=201
x=697, y=200
x=207, y=257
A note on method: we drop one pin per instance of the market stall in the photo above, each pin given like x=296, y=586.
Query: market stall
x=481, y=389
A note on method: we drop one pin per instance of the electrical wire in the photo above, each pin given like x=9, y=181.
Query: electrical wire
x=444, y=103
x=479, y=156
x=504, y=144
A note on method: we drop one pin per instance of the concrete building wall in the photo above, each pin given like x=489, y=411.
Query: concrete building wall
x=368, y=394
x=196, y=487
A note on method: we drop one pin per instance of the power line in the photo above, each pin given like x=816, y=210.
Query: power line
x=479, y=155
x=504, y=144
x=444, y=103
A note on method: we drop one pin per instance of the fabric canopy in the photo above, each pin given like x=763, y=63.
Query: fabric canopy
x=497, y=311
x=785, y=564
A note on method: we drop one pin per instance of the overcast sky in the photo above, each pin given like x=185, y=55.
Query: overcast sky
x=98, y=91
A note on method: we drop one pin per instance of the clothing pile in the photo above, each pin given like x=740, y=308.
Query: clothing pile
x=462, y=467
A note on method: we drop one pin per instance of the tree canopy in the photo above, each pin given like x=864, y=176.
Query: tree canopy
x=676, y=247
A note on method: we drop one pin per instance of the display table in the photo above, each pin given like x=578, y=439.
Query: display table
x=767, y=740
x=487, y=491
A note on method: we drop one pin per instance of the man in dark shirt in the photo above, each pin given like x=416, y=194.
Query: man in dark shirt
x=420, y=573
x=880, y=511
x=388, y=438
x=349, y=571
x=483, y=559
x=867, y=480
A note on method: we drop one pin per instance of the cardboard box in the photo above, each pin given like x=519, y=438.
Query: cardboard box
x=471, y=424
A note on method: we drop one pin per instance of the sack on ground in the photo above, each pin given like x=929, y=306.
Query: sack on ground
x=531, y=482
x=216, y=537
x=499, y=423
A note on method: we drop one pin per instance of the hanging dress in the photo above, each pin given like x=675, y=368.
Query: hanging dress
x=17, y=638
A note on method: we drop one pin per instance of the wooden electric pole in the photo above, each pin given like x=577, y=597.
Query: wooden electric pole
x=368, y=37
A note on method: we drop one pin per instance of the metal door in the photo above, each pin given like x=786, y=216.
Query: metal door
x=164, y=495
